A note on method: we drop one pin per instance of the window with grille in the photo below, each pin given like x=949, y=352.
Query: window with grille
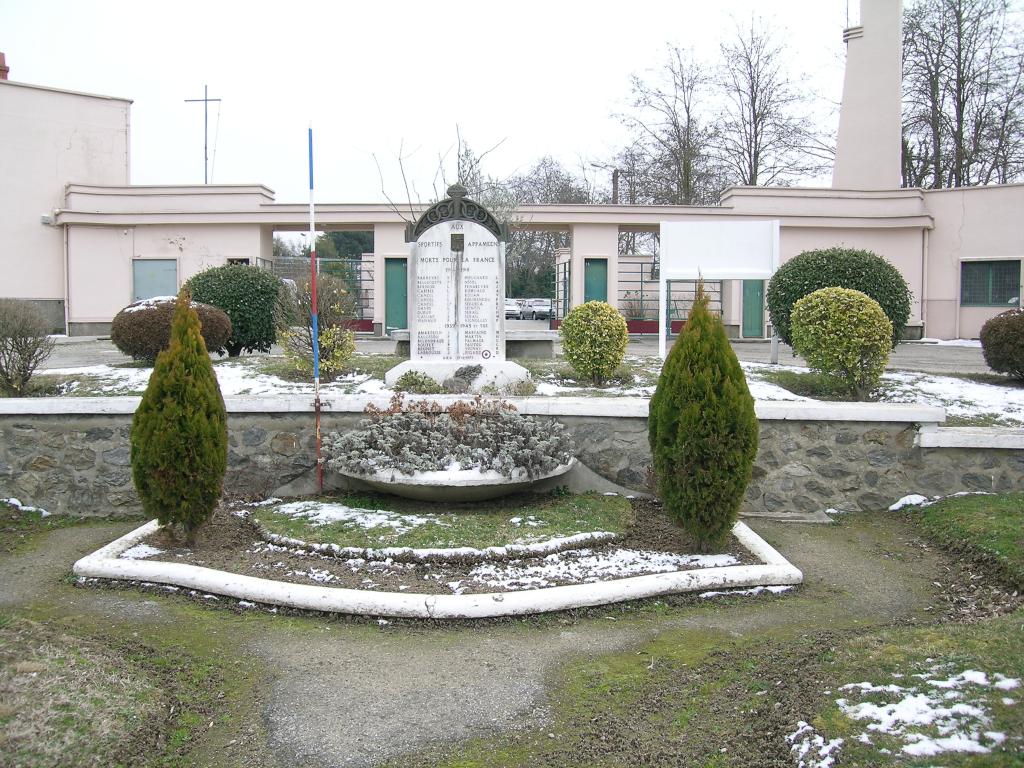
x=990, y=283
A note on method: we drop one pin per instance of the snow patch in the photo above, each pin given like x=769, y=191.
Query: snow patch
x=324, y=513
x=913, y=500
x=141, y=552
x=16, y=503
x=585, y=565
x=775, y=590
x=940, y=714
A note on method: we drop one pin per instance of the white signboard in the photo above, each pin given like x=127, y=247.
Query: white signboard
x=715, y=250
x=457, y=294
x=719, y=250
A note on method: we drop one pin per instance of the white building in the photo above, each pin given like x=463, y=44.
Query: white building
x=80, y=241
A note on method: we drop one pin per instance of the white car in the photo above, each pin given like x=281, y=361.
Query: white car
x=537, y=309
x=512, y=310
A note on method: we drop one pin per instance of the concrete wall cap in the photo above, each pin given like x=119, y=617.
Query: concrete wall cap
x=972, y=437
x=622, y=407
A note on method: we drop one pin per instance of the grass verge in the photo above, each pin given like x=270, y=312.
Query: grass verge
x=985, y=528
x=406, y=523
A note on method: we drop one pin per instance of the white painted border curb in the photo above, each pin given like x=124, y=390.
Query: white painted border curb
x=105, y=563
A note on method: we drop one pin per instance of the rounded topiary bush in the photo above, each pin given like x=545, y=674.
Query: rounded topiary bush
x=249, y=296
x=594, y=340
x=838, y=268
x=1002, y=343
x=845, y=335
x=179, y=437
x=702, y=429
x=142, y=330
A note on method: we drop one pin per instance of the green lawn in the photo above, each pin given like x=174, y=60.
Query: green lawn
x=405, y=523
x=983, y=527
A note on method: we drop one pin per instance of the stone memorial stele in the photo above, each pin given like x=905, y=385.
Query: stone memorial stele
x=457, y=294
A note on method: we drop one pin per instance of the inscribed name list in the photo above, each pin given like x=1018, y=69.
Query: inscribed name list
x=458, y=294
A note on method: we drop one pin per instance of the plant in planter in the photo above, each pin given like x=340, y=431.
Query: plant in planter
x=487, y=439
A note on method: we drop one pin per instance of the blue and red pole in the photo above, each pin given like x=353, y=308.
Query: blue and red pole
x=314, y=320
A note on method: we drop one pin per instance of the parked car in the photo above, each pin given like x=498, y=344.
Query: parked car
x=537, y=309
x=513, y=310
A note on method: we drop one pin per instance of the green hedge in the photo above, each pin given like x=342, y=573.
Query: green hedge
x=838, y=268
x=1002, y=343
x=249, y=296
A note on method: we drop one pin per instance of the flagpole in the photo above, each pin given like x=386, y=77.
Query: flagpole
x=314, y=320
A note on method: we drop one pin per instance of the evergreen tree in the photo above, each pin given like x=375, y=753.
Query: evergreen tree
x=179, y=432
x=702, y=429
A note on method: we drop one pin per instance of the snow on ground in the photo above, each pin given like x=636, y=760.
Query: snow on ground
x=917, y=500
x=774, y=590
x=939, y=714
x=962, y=398
x=16, y=503
x=234, y=378
x=585, y=565
x=322, y=513
x=140, y=552
x=954, y=342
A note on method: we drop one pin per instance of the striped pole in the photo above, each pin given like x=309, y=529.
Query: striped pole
x=314, y=320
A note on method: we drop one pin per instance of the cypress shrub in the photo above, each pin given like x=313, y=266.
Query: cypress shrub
x=594, y=338
x=179, y=433
x=702, y=429
x=838, y=268
x=249, y=296
x=1002, y=343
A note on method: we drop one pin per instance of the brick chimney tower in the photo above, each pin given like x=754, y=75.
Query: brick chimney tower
x=4, y=69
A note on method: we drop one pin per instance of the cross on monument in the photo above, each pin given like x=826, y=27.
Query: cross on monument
x=206, y=133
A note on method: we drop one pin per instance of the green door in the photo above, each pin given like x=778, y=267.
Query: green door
x=396, y=294
x=753, y=309
x=595, y=280
x=154, y=277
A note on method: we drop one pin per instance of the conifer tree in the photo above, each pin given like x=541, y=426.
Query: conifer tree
x=702, y=429
x=179, y=432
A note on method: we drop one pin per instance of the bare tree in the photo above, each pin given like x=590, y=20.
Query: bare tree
x=530, y=258
x=963, y=121
x=671, y=160
x=765, y=135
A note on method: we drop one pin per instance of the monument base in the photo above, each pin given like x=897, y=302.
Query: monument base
x=496, y=374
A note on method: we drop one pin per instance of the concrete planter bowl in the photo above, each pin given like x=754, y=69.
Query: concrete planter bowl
x=454, y=487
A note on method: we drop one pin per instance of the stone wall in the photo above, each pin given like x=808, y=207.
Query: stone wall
x=79, y=462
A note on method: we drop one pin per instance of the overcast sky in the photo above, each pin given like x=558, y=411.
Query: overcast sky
x=545, y=77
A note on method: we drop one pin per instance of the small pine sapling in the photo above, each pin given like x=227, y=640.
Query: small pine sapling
x=179, y=432
x=702, y=429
